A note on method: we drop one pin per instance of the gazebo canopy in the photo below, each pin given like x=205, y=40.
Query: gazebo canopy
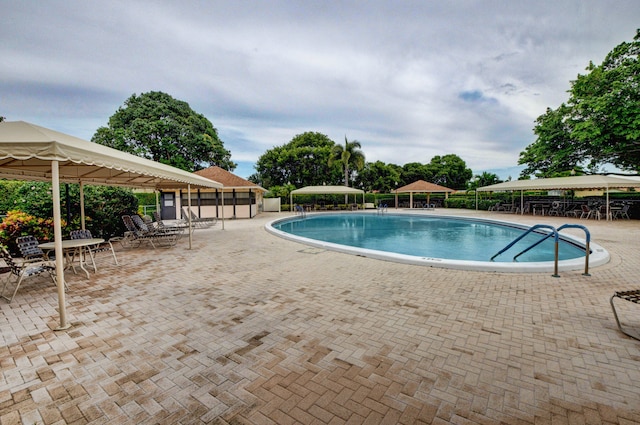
x=327, y=190
x=421, y=186
x=33, y=153
x=595, y=181
x=27, y=150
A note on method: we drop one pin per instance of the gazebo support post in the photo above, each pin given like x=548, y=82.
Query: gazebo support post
x=189, y=218
x=82, y=223
x=57, y=237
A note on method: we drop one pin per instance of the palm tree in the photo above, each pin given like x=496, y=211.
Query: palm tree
x=348, y=156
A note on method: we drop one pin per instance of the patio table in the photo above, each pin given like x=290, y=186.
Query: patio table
x=73, y=248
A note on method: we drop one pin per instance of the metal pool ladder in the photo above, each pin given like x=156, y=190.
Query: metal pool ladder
x=555, y=233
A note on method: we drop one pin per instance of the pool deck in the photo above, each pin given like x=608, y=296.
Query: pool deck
x=249, y=328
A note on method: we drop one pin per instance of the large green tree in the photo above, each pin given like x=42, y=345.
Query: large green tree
x=449, y=171
x=553, y=136
x=378, y=176
x=156, y=126
x=304, y=161
x=350, y=157
x=600, y=122
x=414, y=171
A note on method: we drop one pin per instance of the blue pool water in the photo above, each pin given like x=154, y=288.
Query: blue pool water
x=432, y=237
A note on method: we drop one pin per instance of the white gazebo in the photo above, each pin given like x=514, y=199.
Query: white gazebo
x=594, y=181
x=325, y=190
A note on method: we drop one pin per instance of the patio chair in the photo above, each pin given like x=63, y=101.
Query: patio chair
x=30, y=249
x=572, y=211
x=631, y=296
x=587, y=212
x=623, y=212
x=106, y=246
x=26, y=269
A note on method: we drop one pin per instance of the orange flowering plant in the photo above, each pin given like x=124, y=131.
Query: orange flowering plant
x=18, y=223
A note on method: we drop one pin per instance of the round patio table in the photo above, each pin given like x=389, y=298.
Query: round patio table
x=73, y=248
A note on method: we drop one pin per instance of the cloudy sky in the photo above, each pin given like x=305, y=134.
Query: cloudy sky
x=408, y=79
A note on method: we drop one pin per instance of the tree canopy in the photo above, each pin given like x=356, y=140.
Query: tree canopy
x=304, y=161
x=449, y=171
x=156, y=126
x=598, y=125
x=378, y=176
x=484, y=179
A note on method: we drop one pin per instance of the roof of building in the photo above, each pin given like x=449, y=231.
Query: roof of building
x=228, y=179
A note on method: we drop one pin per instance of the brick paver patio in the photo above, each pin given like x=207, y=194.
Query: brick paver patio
x=248, y=328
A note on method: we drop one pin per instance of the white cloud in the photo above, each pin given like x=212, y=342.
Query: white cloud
x=409, y=80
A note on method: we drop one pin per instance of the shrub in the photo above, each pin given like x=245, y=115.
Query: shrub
x=18, y=223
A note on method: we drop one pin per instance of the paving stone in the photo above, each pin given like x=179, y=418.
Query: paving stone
x=247, y=328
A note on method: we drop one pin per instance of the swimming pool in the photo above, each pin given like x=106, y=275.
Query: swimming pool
x=442, y=241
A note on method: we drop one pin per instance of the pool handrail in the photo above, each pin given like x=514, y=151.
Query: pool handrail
x=587, y=249
x=531, y=229
x=565, y=226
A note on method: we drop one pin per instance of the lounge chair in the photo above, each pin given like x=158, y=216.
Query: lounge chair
x=139, y=233
x=163, y=235
x=160, y=225
x=631, y=296
x=32, y=266
x=198, y=222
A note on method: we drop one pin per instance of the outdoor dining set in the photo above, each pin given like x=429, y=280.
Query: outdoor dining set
x=616, y=210
x=80, y=250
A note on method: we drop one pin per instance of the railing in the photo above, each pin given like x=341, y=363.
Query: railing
x=148, y=209
x=588, y=242
x=382, y=208
x=555, y=233
x=299, y=209
x=537, y=226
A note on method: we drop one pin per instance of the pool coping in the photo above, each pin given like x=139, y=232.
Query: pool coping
x=598, y=256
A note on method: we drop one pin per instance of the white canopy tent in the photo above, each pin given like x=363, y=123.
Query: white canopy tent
x=325, y=190
x=33, y=153
x=595, y=181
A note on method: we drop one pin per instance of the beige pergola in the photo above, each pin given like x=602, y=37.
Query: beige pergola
x=33, y=153
x=594, y=181
x=325, y=190
x=421, y=186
